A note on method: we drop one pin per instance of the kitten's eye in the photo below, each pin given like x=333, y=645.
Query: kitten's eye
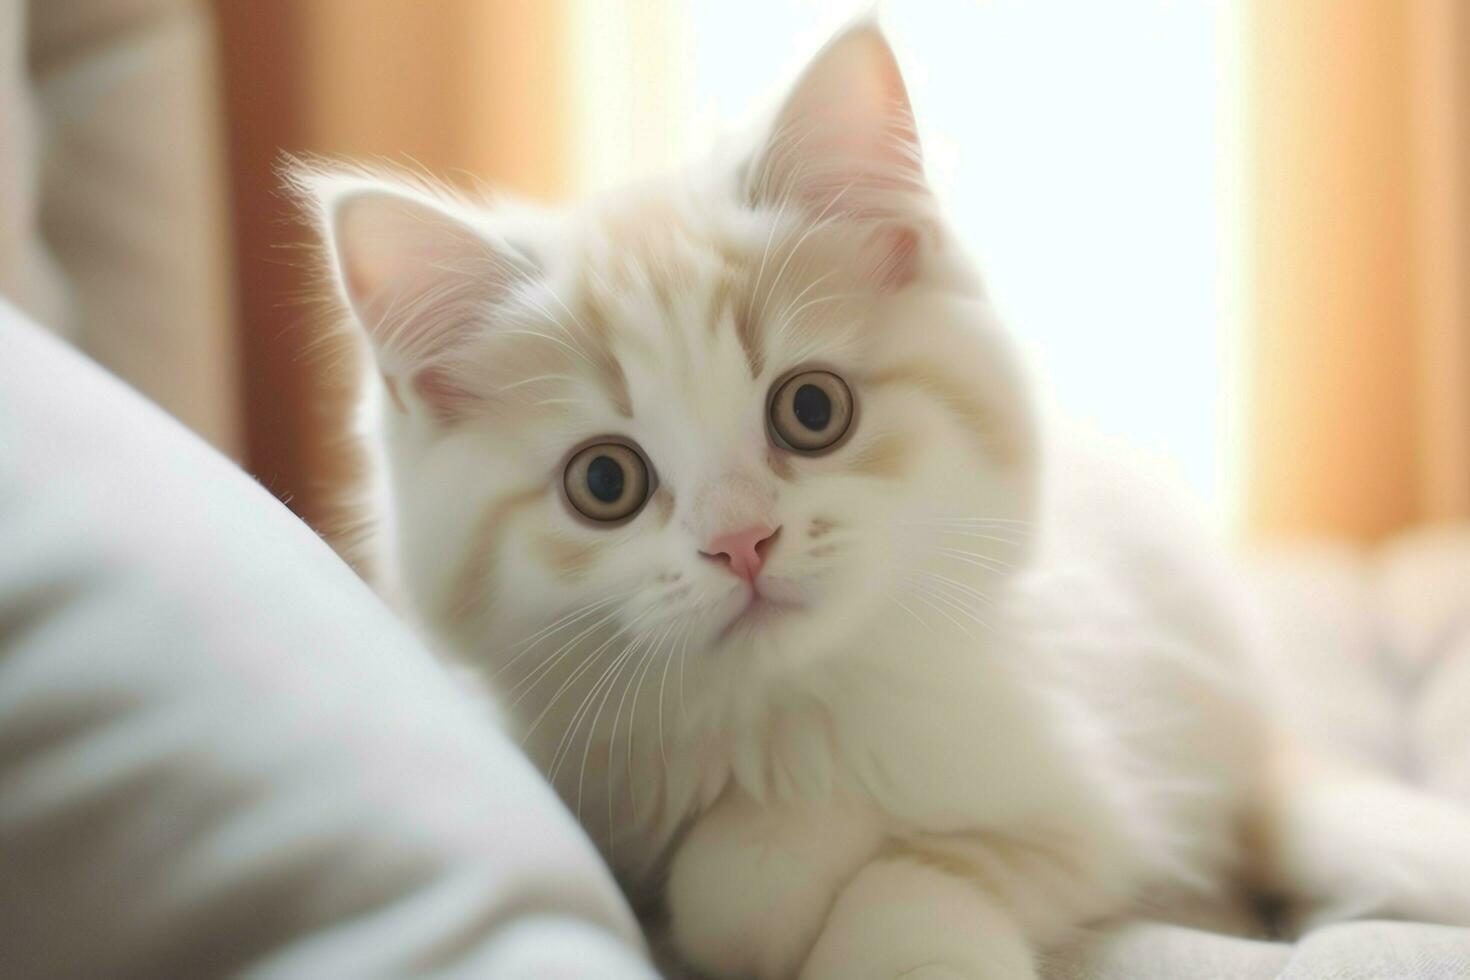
x=607, y=482
x=811, y=411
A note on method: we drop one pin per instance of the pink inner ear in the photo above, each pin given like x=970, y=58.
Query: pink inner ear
x=845, y=139
x=447, y=400
x=896, y=254
x=419, y=279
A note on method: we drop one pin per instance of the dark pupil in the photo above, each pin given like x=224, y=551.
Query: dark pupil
x=605, y=479
x=812, y=407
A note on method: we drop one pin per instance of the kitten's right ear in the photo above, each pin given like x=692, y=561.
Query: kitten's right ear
x=419, y=278
x=846, y=129
x=844, y=145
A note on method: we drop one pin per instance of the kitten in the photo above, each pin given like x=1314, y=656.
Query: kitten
x=735, y=488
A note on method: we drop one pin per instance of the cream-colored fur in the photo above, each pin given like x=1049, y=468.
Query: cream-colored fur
x=1011, y=692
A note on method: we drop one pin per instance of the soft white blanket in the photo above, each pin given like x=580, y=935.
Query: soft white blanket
x=1375, y=661
x=220, y=753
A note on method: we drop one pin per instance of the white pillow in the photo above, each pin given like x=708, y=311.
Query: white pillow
x=219, y=751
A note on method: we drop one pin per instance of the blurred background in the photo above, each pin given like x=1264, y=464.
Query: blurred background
x=1236, y=233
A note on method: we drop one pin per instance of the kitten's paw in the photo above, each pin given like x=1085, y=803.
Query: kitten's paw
x=750, y=887
x=933, y=971
x=928, y=971
x=898, y=918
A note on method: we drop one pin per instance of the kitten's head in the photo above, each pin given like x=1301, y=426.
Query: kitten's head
x=749, y=417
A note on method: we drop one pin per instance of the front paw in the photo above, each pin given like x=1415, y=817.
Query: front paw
x=933, y=971
x=750, y=888
x=927, y=971
x=899, y=918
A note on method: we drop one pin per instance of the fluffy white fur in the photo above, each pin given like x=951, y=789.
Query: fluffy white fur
x=1011, y=694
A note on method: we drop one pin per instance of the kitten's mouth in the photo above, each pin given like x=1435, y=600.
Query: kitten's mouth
x=757, y=610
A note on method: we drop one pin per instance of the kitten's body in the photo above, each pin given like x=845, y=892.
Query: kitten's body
x=992, y=690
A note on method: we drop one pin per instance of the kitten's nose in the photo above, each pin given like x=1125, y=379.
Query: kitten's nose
x=742, y=549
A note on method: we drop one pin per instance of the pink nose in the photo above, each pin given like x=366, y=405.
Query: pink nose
x=742, y=549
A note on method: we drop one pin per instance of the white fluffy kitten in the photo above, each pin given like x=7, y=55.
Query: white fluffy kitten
x=734, y=486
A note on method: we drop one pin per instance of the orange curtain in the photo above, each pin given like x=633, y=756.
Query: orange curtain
x=470, y=90
x=1359, y=263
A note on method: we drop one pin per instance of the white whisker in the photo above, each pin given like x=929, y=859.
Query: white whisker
x=546, y=666
x=663, y=746
x=569, y=735
x=615, y=672
x=955, y=603
x=920, y=592
x=960, y=586
x=526, y=645
x=580, y=670
x=975, y=558
x=635, y=683
x=914, y=615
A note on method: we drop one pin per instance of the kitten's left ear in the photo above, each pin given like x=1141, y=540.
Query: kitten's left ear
x=844, y=144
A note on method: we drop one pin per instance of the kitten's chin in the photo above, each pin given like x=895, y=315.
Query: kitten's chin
x=756, y=613
x=776, y=631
